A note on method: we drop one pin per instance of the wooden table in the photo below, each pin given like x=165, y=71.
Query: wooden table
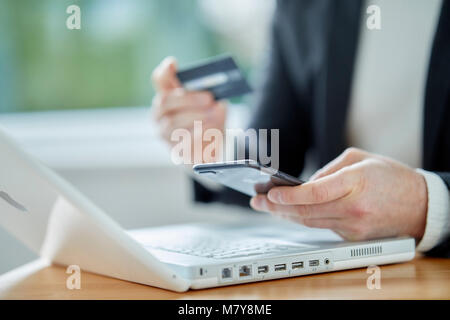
x=422, y=278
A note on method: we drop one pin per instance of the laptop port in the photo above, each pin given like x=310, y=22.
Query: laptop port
x=313, y=263
x=263, y=269
x=279, y=267
x=245, y=271
x=297, y=265
x=227, y=273
x=327, y=261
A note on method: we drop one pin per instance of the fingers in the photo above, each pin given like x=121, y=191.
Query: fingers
x=173, y=107
x=171, y=96
x=329, y=188
x=323, y=223
x=333, y=210
x=333, y=224
x=313, y=216
x=181, y=100
x=347, y=158
x=164, y=76
x=180, y=121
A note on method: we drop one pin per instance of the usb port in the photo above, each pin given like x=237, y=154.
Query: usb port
x=313, y=263
x=297, y=265
x=280, y=267
x=245, y=271
x=263, y=269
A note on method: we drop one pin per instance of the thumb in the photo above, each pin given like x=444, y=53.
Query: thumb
x=164, y=76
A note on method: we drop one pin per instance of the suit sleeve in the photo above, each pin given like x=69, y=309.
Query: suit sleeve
x=276, y=106
x=445, y=176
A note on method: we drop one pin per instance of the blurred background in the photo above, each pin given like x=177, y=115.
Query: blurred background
x=79, y=100
x=45, y=66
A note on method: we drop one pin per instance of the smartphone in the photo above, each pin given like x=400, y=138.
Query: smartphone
x=246, y=176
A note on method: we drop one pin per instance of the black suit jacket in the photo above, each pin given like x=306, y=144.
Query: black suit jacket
x=307, y=88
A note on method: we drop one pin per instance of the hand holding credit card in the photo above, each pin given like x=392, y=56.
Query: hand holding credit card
x=220, y=75
x=191, y=96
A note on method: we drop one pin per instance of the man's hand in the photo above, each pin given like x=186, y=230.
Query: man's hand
x=358, y=195
x=175, y=108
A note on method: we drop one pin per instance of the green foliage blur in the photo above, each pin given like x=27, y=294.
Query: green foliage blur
x=45, y=66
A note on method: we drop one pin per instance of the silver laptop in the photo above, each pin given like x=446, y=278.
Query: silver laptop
x=61, y=225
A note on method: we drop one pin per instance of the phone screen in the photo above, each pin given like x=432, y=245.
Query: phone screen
x=249, y=178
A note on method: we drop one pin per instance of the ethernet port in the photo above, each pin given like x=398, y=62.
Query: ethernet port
x=227, y=273
x=245, y=271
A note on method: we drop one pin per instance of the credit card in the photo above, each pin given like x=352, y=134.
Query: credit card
x=220, y=75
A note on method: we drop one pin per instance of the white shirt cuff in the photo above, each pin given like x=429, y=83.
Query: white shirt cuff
x=438, y=213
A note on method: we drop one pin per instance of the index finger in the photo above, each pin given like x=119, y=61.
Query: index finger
x=329, y=188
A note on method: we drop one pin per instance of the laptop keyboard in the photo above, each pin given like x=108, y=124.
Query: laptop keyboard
x=226, y=249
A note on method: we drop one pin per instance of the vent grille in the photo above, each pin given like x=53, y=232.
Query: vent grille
x=366, y=251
